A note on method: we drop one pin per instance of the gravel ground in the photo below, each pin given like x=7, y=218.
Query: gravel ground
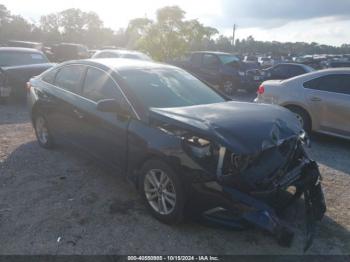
x=63, y=202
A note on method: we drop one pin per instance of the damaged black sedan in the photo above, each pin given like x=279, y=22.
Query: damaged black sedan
x=178, y=140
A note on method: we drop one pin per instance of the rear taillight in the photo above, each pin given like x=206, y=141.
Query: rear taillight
x=261, y=90
x=28, y=86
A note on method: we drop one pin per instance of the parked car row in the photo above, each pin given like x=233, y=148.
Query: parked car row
x=17, y=66
x=314, y=61
x=71, y=51
x=228, y=73
x=284, y=71
x=223, y=70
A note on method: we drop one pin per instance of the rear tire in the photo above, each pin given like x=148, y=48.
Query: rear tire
x=303, y=118
x=42, y=132
x=162, y=191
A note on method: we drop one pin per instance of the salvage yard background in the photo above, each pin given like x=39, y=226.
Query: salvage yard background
x=63, y=202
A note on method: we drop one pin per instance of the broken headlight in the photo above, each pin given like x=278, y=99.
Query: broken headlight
x=239, y=162
x=200, y=148
x=202, y=151
x=234, y=164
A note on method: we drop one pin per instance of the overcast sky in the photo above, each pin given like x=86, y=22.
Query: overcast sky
x=323, y=21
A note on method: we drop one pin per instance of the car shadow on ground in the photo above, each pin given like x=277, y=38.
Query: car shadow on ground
x=65, y=173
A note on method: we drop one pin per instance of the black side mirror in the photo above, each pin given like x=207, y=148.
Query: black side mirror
x=112, y=106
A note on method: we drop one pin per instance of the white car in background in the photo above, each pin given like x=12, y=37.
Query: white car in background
x=114, y=53
x=320, y=99
x=265, y=62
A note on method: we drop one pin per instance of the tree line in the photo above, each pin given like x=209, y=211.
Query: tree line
x=166, y=37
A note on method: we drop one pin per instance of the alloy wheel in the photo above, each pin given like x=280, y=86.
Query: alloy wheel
x=41, y=130
x=160, y=191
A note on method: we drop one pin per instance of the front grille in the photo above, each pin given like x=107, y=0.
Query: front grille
x=235, y=164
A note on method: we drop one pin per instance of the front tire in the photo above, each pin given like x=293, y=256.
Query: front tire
x=162, y=191
x=42, y=132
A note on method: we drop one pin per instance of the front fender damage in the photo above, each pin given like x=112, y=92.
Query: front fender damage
x=256, y=211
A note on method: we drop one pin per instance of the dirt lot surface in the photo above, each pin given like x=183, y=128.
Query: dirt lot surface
x=63, y=202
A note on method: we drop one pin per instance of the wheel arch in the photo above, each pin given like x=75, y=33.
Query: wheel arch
x=134, y=168
x=36, y=108
x=290, y=105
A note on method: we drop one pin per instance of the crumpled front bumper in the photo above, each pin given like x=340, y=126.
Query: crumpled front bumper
x=236, y=208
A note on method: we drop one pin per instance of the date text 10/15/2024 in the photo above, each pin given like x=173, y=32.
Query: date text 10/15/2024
x=173, y=258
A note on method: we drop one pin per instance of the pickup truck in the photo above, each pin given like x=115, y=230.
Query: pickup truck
x=17, y=66
x=224, y=71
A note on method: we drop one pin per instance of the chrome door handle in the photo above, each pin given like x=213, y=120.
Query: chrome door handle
x=78, y=113
x=316, y=99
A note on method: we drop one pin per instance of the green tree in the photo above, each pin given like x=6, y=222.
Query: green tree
x=197, y=35
x=163, y=39
x=74, y=25
x=223, y=43
x=5, y=15
x=137, y=29
x=171, y=35
x=50, y=26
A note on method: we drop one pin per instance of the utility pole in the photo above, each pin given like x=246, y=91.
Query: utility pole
x=233, y=36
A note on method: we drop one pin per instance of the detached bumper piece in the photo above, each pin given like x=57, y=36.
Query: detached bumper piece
x=315, y=206
x=258, y=213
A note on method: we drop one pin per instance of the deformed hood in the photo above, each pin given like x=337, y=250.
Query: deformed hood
x=244, y=128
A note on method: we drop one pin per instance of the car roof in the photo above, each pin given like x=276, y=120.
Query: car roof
x=120, y=51
x=19, y=49
x=295, y=64
x=24, y=42
x=339, y=70
x=120, y=64
x=69, y=44
x=319, y=73
x=212, y=52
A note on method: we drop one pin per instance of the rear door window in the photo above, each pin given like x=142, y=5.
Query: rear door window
x=49, y=77
x=279, y=70
x=312, y=84
x=98, y=85
x=339, y=83
x=345, y=86
x=21, y=58
x=69, y=78
x=296, y=70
